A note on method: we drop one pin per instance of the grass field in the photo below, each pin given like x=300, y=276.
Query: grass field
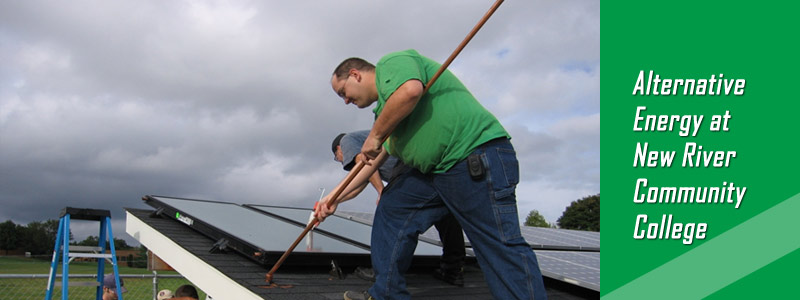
x=35, y=288
x=24, y=265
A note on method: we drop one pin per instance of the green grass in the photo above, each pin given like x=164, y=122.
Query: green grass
x=35, y=288
x=24, y=265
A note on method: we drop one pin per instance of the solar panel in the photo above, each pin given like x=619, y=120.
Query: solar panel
x=430, y=236
x=339, y=226
x=258, y=229
x=361, y=217
x=561, y=239
x=578, y=268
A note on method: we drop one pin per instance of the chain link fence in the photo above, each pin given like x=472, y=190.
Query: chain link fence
x=139, y=286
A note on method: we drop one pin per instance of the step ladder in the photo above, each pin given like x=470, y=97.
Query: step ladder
x=65, y=253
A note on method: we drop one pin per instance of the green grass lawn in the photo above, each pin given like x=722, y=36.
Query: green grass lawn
x=24, y=265
x=35, y=288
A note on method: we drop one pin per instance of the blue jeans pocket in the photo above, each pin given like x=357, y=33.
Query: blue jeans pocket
x=504, y=170
x=508, y=158
x=509, y=225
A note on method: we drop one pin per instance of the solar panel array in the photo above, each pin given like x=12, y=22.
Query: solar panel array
x=568, y=255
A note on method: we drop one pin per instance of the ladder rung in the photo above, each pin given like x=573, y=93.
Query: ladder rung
x=92, y=255
x=84, y=248
x=79, y=283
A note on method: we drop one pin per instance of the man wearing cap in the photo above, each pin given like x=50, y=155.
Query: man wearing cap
x=110, y=287
x=346, y=147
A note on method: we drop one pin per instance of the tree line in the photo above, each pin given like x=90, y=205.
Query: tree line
x=39, y=238
x=581, y=214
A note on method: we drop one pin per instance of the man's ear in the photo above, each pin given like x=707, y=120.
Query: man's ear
x=356, y=73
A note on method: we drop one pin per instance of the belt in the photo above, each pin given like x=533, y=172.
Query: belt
x=494, y=142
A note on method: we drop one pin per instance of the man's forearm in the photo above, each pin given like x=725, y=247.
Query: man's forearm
x=353, y=193
x=360, y=181
x=376, y=181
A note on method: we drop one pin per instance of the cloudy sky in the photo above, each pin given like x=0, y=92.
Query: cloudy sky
x=102, y=102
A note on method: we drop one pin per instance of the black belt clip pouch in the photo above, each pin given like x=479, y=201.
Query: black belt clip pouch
x=476, y=168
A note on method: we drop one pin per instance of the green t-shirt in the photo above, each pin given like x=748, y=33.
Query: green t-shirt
x=447, y=124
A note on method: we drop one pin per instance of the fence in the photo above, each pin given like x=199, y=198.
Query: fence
x=139, y=286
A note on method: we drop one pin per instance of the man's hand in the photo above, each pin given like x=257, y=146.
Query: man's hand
x=371, y=148
x=322, y=211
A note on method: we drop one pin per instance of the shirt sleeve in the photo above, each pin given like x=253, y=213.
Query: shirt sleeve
x=396, y=70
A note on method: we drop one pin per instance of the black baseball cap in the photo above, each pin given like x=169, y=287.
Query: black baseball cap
x=336, y=142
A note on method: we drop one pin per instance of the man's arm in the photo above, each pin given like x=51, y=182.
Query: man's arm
x=377, y=183
x=359, y=182
x=374, y=179
x=355, y=192
x=399, y=105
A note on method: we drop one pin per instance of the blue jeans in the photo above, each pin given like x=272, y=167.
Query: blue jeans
x=486, y=209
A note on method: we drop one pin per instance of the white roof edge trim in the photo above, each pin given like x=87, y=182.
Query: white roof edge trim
x=203, y=276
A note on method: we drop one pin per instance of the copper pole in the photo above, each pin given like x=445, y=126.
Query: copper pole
x=360, y=164
x=463, y=44
x=336, y=193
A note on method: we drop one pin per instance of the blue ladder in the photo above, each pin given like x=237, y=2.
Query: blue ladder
x=62, y=252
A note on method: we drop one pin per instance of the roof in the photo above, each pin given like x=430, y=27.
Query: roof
x=235, y=274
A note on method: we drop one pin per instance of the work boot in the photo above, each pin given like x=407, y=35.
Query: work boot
x=352, y=295
x=451, y=276
x=367, y=274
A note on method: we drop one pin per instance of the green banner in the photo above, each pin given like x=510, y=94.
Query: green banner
x=698, y=150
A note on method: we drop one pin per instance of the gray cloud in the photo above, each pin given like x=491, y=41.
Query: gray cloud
x=103, y=102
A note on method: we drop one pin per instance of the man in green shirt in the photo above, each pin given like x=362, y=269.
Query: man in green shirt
x=463, y=163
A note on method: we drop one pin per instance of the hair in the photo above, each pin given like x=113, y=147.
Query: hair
x=186, y=290
x=352, y=63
